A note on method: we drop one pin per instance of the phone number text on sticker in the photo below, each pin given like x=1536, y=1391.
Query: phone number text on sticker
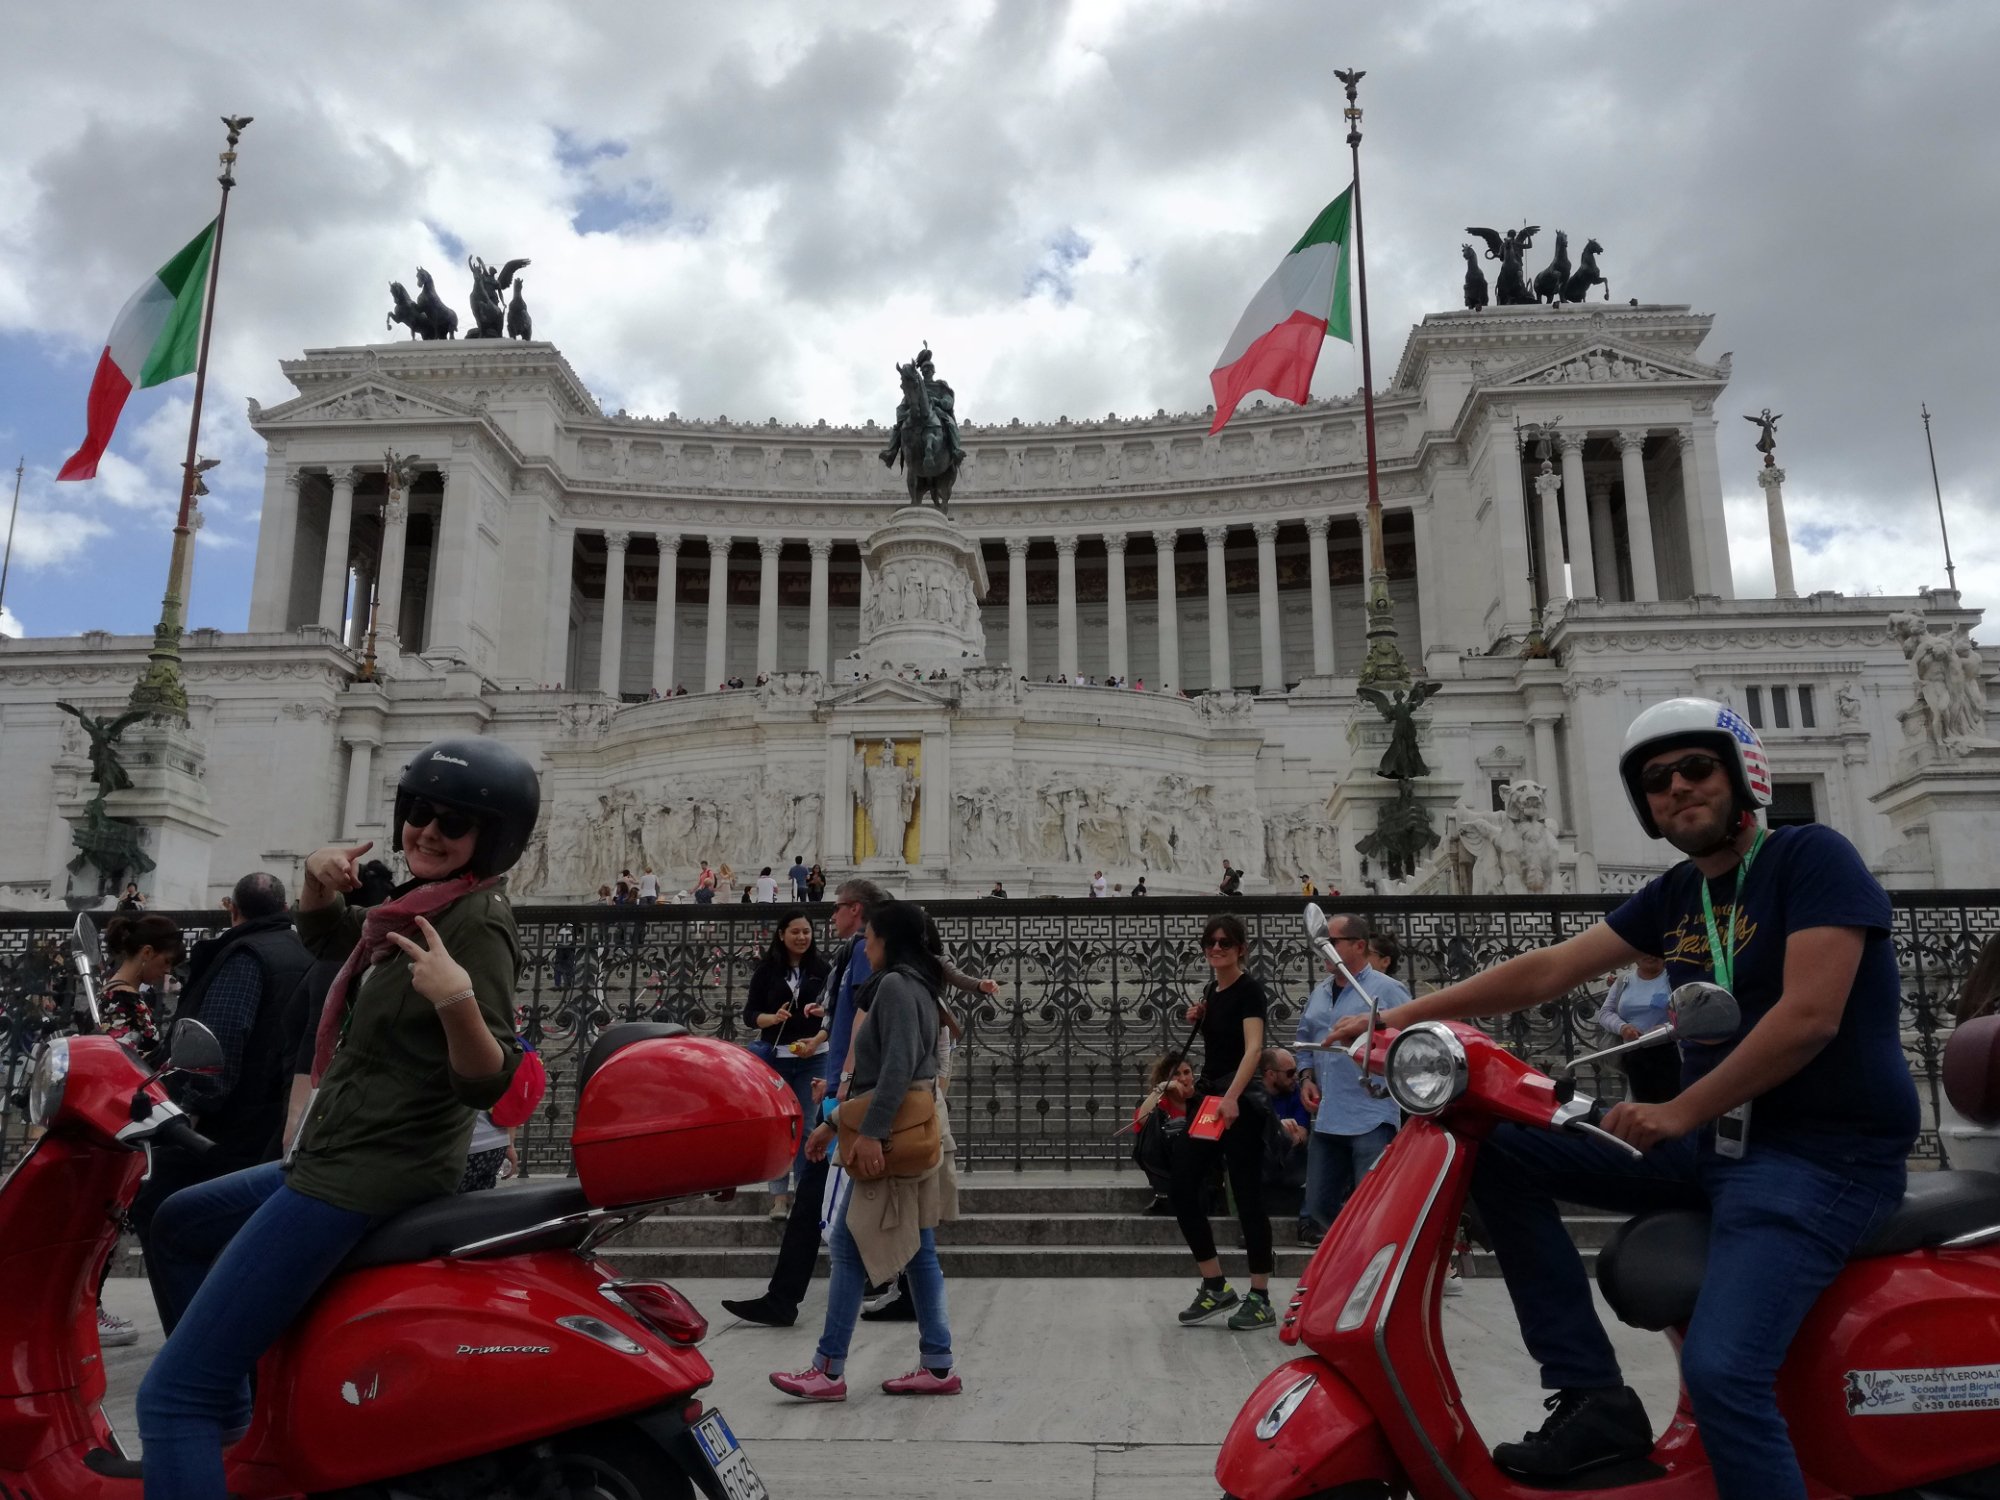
x=1892, y=1393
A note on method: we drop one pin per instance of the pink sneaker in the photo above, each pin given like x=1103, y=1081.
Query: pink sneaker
x=811, y=1384
x=920, y=1382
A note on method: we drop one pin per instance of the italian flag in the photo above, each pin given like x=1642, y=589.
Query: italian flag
x=154, y=340
x=1276, y=343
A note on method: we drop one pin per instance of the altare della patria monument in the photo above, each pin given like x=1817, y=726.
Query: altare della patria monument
x=954, y=651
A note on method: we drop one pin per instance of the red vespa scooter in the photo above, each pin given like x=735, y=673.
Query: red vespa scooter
x=474, y=1346
x=1892, y=1385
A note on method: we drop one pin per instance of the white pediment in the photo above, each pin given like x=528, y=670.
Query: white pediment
x=368, y=399
x=892, y=692
x=1603, y=362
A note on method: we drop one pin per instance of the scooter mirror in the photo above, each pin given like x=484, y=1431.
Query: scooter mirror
x=194, y=1049
x=1702, y=1012
x=88, y=955
x=1317, y=932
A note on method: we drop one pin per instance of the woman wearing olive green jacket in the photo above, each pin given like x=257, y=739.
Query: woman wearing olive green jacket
x=417, y=1035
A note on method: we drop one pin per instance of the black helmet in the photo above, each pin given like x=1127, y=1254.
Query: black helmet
x=482, y=777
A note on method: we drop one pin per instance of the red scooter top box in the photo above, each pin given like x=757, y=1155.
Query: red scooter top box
x=675, y=1116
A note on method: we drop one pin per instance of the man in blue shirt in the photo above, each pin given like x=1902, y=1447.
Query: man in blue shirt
x=1351, y=1128
x=798, y=1254
x=799, y=875
x=1822, y=1113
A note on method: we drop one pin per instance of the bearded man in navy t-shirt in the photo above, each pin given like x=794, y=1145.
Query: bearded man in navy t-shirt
x=1816, y=1107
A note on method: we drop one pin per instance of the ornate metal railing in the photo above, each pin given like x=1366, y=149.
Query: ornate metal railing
x=1090, y=992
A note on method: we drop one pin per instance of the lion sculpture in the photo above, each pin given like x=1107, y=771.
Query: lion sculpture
x=1514, y=854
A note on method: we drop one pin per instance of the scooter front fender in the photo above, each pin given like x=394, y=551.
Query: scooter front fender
x=1303, y=1430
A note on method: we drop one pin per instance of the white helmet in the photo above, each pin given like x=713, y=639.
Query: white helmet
x=1698, y=723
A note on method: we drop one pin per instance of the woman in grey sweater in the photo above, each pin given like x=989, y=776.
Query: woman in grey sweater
x=895, y=1051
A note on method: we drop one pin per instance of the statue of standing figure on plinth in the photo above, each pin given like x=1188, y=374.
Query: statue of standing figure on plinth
x=887, y=792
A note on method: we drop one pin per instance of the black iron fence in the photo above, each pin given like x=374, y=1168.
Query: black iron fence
x=1090, y=992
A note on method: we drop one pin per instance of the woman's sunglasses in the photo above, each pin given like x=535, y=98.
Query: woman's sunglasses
x=1218, y=942
x=453, y=824
x=1693, y=769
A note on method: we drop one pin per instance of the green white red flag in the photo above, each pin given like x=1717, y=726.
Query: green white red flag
x=155, y=339
x=1276, y=343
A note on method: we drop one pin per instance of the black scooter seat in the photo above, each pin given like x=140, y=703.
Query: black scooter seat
x=1652, y=1269
x=445, y=1224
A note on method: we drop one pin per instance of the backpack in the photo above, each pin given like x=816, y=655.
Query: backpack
x=517, y=1105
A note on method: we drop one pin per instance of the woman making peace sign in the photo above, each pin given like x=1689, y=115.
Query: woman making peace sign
x=416, y=1036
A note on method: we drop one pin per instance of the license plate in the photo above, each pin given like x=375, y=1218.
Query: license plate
x=726, y=1456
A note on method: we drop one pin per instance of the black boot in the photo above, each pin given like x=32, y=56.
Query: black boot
x=1585, y=1428
x=765, y=1310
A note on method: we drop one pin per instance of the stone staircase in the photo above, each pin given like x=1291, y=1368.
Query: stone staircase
x=1046, y=1224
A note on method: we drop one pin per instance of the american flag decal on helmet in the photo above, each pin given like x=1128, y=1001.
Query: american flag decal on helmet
x=1755, y=767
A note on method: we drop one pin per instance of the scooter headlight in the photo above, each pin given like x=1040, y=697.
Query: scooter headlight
x=45, y=1083
x=1426, y=1067
x=1282, y=1409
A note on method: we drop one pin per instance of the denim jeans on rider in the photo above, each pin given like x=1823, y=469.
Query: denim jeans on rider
x=1335, y=1165
x=1782, y=1228
x=233, y=1262
x=849, y=1281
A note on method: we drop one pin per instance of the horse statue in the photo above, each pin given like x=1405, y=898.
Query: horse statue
x=404, y=311
x=1475, y=280
x=1512, y=288
x=487, y=285
x=519, y=324
x=925, y=437
x=442, y=320
x=1555, y=275
x=1587, y=276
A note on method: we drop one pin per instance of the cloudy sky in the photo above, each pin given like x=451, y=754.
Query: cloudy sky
x=750, y=210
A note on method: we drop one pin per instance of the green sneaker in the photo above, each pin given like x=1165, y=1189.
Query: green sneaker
x=1256, y=1312
x=1207, y=1304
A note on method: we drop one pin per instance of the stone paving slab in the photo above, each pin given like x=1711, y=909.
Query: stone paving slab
x=1074, y=1388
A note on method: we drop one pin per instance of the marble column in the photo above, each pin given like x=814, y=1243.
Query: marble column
x=1546, y=770
x=453, y=557
x=277, y=537
x=1548, y=489
x=1511, y=517
x=364, y=592
x=611, y=640
x=1317, y=528
x=1066, y=606
x=360, y=771
x=1114, y=596
x=1771, y=480
x=562, y=589
x=1638, y=515
x=716, y=667
x=339, y=530
x=768, y=548
x=1169, y=612
x=389, y=580
x=1604, y=538
x=818, y=631
x=1217, y=538
x=1017, y=605
x=1270, y=640
x=666, y=605
x=1701, y=476
x=1582, y=548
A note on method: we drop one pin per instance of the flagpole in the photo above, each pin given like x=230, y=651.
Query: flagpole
x=160, y=690
x=1384, y=663
x=1950, y=573
x=7, y=562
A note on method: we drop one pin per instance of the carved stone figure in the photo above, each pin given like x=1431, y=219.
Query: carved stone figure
x=487, y=284
x=887, y=793
x=1952, y=720
x=1971, y=681
x=1848, y=703
x=1515, y=854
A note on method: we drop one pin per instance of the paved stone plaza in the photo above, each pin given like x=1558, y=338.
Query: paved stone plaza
x=1075, y=1390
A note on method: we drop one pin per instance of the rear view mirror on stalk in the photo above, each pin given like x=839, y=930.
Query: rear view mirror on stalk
x=87, y=953
x=1702, y=1012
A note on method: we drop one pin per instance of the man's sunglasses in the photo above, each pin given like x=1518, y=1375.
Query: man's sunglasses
x=1693, y=769
x=451, y=823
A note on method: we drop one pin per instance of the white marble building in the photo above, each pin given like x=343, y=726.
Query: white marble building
x=552, y=568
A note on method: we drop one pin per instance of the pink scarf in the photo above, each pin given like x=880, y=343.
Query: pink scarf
x=400, y=916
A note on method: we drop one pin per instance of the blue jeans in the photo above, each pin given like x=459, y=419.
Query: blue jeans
x=847, y=1283
x=1335, y=1165
x=233, y=1262
x=798, y=1073
x=1782, y=1228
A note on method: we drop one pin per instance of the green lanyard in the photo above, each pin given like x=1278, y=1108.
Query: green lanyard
x=1723, y=959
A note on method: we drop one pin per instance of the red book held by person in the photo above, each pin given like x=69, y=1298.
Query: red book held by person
x=1208, y=1123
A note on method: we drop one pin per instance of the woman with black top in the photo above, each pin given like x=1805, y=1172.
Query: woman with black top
x=1231, y=1017
x=147, y=948
x=785, y=1007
